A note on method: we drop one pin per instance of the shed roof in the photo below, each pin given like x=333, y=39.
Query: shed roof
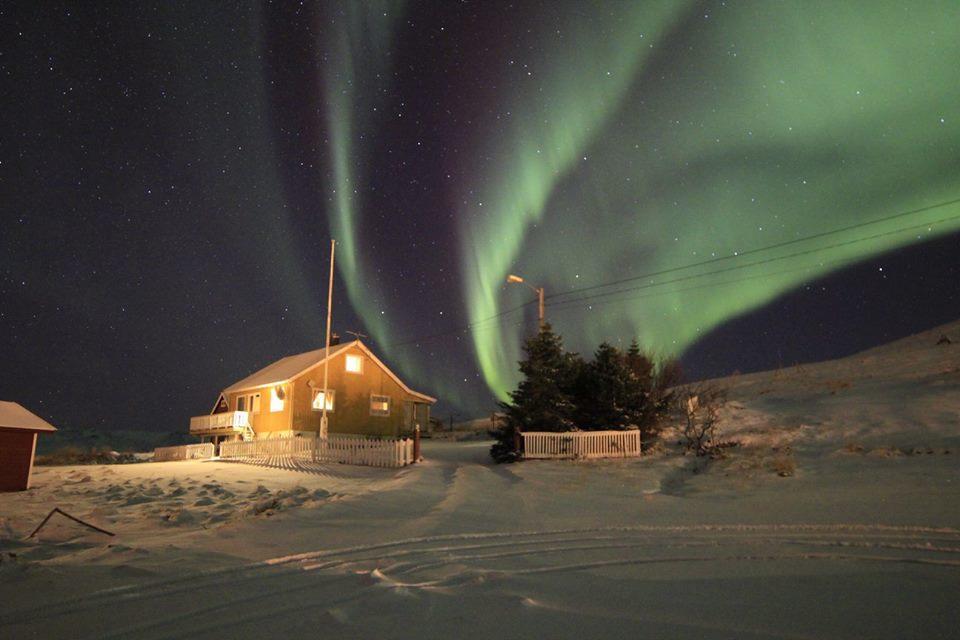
x=285, y=369
x=14, y=416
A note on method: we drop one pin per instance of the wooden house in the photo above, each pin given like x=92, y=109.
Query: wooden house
x=18, y=445
x=286, y=399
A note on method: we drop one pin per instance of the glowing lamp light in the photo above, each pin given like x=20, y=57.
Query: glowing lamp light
x=513, y=278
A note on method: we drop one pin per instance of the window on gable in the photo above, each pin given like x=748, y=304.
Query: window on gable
x=379, y=405
x=318, y=399
x=354, y=363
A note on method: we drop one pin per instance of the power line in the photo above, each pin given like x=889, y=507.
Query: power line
x=740, y=254
x=483, y=324
x=570, y=304
x=759, y=262
x=463, y=329
x=417, y=341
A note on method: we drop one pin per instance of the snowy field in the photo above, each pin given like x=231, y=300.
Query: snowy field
x=859, y=538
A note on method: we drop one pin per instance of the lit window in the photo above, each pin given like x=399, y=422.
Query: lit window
x=241, y=403
x=276, y=399
x=318, y=396
x=255, y=403
x=379, y=405
x=354, y=364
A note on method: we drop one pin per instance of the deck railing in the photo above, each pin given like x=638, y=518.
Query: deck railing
x=227, y=422
x=581, y=444
x=184, y=452
x=345, y=449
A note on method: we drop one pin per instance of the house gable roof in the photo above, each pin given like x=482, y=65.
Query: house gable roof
x=14, y=416
x=291, y=367
x=285, y=369
x=393, y=376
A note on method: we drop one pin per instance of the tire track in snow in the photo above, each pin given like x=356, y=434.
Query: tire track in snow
x=424, y=553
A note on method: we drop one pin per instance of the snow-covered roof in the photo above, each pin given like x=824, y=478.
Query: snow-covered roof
x=14, y=416
x=285, y=369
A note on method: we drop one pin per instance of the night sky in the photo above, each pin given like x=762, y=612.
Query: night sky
x=745, y=184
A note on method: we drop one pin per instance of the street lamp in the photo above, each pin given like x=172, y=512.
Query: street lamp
x=512, y=279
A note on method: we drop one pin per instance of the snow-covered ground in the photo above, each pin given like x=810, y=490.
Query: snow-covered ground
x=861, y=539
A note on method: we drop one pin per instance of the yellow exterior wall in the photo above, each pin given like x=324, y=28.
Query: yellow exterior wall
x=265, y=420
x=351, y=413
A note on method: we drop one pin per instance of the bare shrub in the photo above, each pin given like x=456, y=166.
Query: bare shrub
x=853, y=447
x=700, y=406
x=783, y=465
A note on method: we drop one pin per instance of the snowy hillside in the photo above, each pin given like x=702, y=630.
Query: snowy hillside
x=905, y=394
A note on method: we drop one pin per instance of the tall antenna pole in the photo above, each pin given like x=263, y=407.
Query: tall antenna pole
x=326, y=353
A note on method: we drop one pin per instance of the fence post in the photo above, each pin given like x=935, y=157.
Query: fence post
x=416, y=443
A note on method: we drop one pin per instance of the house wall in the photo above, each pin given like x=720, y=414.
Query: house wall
x=266, y=420
x=16, y=458
x=351, y=413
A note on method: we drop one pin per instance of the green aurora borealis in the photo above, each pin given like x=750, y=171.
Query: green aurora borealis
x=175, y=171
x=647, y=136
x=358, y=56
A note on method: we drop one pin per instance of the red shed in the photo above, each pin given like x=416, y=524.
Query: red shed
x=18, y=442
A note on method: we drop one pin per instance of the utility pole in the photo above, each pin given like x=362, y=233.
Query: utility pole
x=540, y=313
x=326, y=354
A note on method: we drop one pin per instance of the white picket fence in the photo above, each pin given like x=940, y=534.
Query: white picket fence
x=184, y=452
x=581, y=444
x=268, y=447
x=360, y=450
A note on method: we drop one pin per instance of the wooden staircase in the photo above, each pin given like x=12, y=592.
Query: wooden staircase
x=247, y=434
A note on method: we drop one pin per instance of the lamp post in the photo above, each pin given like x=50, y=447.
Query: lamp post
x=514, y=279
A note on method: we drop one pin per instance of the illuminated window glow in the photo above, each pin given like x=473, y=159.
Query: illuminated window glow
x=318, y=396
x=354, y=364
x=379, y=405
x=276, y=399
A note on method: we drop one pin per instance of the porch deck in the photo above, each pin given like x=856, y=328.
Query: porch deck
x=226, y=423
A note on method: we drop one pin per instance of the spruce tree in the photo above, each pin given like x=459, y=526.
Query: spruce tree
x=542, y=400
x=642, y=404
x=602, y=391
x=620, y=390
x=641, y=365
